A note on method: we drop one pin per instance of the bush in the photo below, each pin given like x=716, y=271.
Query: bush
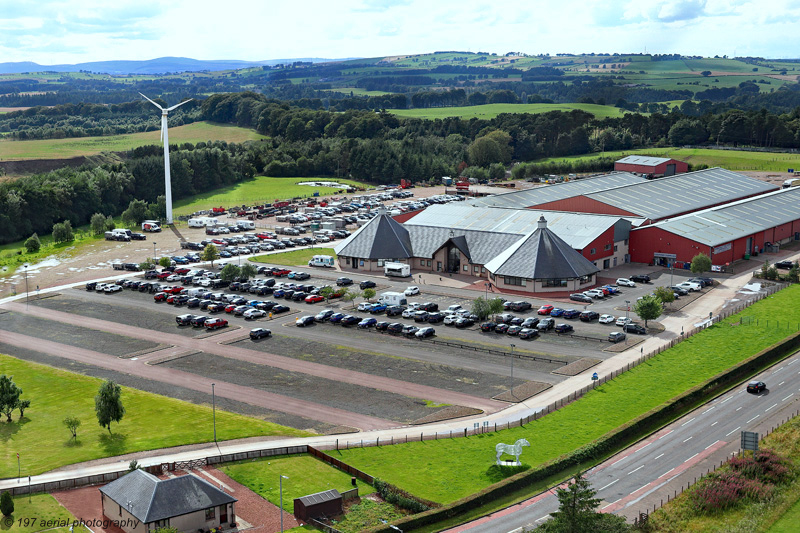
x=62, y=232
x=98, y=223
x=400, y=498
x=6, y=504
x=33, y=244
x=720, y=491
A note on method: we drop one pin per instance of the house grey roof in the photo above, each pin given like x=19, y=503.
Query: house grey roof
x=643, y=160
x=559, y=191
x=578, y=229
x=723, y=224
x=320, y=497
x=380, y=238
x=150, y=499
x=479, y=246
x=541, y=255
x=664, y=197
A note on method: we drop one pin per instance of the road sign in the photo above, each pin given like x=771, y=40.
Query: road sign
x=595, y=377
x=750, y=440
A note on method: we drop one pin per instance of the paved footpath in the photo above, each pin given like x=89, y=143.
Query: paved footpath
x=712, y=302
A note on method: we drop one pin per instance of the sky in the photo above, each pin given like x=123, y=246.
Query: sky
x=52, y=32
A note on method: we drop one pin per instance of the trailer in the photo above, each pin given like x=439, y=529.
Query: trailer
x=398, y=270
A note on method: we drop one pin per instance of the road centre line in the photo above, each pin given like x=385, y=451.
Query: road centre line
x=688, y=421
x=768, y=408
x=731, y=398
x=715, y=423
x=665, y=434
x=752, y=419
x=657, y=456
x=783, y=400
x=781, y=383
x=690, y=438
x=601, y=488
x=635, y=469
x=692, y=457
x=739, y=408
x=734, y=431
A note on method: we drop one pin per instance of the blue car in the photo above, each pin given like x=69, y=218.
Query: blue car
x=368, y=322
x=278, y=293
x=180, y=260
x=571, y=313
x=377, y=308
x=335, y=318
x=557, y=312
x=611, y=289
x=253, y=303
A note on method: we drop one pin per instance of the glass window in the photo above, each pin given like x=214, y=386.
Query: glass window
x=476, y=268
x=607, y=247
x=554, y=283
x=346, y=260
x=429, y=262
x=616, y=248
x=422, y=262
x=466, y=268
x=380, y=262
x=512, y=280
x=593, y=251
x=211, y=513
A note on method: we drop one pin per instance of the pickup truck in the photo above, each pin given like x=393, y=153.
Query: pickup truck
x=215, y=323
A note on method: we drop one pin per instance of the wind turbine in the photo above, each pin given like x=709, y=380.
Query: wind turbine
x=165, y=138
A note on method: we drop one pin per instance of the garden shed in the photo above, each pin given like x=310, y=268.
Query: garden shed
x=326, y=503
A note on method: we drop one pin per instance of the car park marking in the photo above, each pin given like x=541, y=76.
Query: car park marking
x=783, y=400
x=690, y=438
x=601, y=488
x=712, y=444
x=752, y=419
x=734, y=431
x=688, y=421
x=635, y=469
x=768, y=408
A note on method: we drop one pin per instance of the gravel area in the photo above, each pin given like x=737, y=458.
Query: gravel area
x=170, y=390
x=573, y=369
x=73, y=334
x=353, y=398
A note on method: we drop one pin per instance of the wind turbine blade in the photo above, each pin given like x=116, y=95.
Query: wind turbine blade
x=152, y=102
x=177, y=105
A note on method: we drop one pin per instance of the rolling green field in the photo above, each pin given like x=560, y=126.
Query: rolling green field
x=455, y=468
x=151, y=421
x=259, y=190
x=489, y=111
x=84, y=146
x=729, y=159
x=359, y=92
x=306, y=474
x=40, y=512
x=293, y=258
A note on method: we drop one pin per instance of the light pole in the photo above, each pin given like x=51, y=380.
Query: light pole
x=511, y=389
x=671, y=268
x=486, y=291
x=627, y=308
x=25, y=266
x=280, y=484
x=214, y=410
x=154, y=252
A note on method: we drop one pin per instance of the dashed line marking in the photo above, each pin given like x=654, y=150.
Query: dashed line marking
x=734, y=431
x=752, y=419
x=687, y=421
x=781, y=383
x=783, y=400
x=645, y=446
x=657, y=456
x=739, y=409
x=711, y=408
x=601, y=488
x=635, y=469
x=665, y=434
x=690, y=438
x=692, y=457
x=731, y=398
x=715, y=423
x=710, y=445
x=768, y=408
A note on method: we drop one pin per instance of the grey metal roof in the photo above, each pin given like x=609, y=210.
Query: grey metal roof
x=320, y=497
x=664, y=197
x=559, y=191
x=483, y=246
x=380, y=238
x=723, y=224
x=644, y=160
x=578, y=229
x=541, y=255
x=150, y=499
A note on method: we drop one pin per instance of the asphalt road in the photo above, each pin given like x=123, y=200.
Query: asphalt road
x=656, y=467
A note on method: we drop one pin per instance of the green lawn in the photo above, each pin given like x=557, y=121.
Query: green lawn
x=788, y=523
x=729, y=159
x=307, y=475
x=490, y=111
x=259, y=190
x=151, y=421
x=293, y=258
x=85, y=146
x=459, y=467
x=40, y=512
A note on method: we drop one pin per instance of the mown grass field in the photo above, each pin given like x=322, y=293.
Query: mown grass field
x=490, y=111
x=151, y=421
x=259, y=190
x=459, y=467
x=85, y=146
x=40, y=512
x=306, y=474
x=294, y=257
x=729, y=159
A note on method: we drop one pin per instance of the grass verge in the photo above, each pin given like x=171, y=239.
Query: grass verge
x=293, y=258
x=459, y=467
x=39, y=512
x=14, y=255
x=306, y=475
x=151, y=421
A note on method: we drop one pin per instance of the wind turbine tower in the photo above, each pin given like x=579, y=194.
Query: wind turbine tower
x=165, y=138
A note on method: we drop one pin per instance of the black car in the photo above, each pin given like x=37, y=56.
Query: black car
x=756, y=387
x=199, y=321
x=342, y=282
x=91, y=285
x=571, y=313
x=193, y=302
x=304, y=321
x=679, y=290
x=464, y=322
x=519, y=306
x=280, y=308
x=634, y=328
x=640, y=278
x=528, y=333
x=588, y=316
x=429, y=307
x=382, y=326
x=784, y=265
x=395, y=327
x=578, y=297
x=350, y=320
x=394, y=310
x=564, y=328
x=501, y=328
x=299, y=296
x=488, y=326
x=704, y=282
x=260, y=333
x=367, y=284
x=435, y=318
x=517, y=321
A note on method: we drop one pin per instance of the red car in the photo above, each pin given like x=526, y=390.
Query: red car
x=174, y=290
x=314, y=298
x=280, y=272
x=164, y=274
x=217, y=241
x=160, y=296
x=182, y=270
x=215, y=323
x=545, y=309
x=230, y=308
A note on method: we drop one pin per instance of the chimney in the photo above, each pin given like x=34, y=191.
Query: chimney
x=542, y=222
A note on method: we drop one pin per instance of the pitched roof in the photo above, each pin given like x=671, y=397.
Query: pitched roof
x=550, y=193
x=320, y=497
x=541, y=255
x=643, y=160
x=150, y=499
x=380, y=238
x=482, y=246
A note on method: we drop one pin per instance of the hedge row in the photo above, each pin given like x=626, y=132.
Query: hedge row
x=612, y=441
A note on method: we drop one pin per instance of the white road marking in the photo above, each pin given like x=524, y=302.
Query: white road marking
x=738, y=409
x=711, y=408
x=665, y=473
x=645, y=446
x=710, y=445
x=792, y=394
x=612, y=503
x=793, y=362
x=768, y=408
x=687, y=440
x=752, y=419
x=601, y=488
x=635, y=469
x=731, y=398
x=715, y=423
x=687, y=421
x=692, y=457
x=734, y=431
x=665, y=434
x=637, y=490
x=781, y=383
x=657, y=456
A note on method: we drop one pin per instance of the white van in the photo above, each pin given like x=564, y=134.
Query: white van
x=151, y=225
x=121, y=233
x=321, y=261
x=393, y=298
x=246, y=224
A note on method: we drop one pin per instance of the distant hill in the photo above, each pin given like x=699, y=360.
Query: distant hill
x=159, y=65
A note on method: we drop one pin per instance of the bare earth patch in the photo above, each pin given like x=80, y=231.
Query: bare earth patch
x=524, y=391
x=573, y=369
x=451, y=411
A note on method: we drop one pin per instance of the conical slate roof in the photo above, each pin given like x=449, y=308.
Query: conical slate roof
x=541, y=255
x=380, y=238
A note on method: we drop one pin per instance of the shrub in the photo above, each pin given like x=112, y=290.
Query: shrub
x=32, y=245
x=400, y=498
x=720, y=491
x=766, y=466
x=6, y=504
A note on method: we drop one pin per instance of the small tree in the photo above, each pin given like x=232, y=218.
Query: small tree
x=794, y=274
x=229, y=272
x=110, y=224
x=706, y=73
x=248, y=271
x=648, y=308
x=72, y=424
x=327, y=291
x=347, y=296
x=576, y=511
x=6, y=504
x=9, y=396
x=165, y=261
x=368, y=294
x=210, y=253
x=62, y=232
x=665, y=294
x=700, y=263
x=772, y=273
x=98, y=224
x=22, y=405
x=147, y=264
x=33, y=244
x=108, y=404
x=134, y=465
x=480, y=308
x=495, y=306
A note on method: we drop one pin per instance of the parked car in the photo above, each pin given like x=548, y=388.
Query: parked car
x=580, y=297
x=520, y=306
x=506, y=318
x=588, y=316
x=425, y=332
x=395, y=327
x=571, y=313
x=595, y=293
x=394, y=310
x=488, y=326
x=199, y=320
x=784, y=265
x=464, y=322
x=450, y=320
x=564, y=328
x=640, y=278
x=680, y=291
x=299, y=276
x=634, y=328
x=501, y=328
x=429, y=306
x=336, y=318
x=323, y=315
x=367, y=284
x=530, y=322
x=557, y=311
x=382, y=326
x=280, y=309
x=314, y=298
x=378, y=308
x=435, y=318
x=259, y=333
x=368, y=322
x=411, y=291
x=690, y=286
x=545, y=309
x=304, y=321
x=621, y=321
x=215, y=323
x=705, y=282
x=546, y=324
x=513, y=330
x=184, y=320
x=616, y=336
x=342, y=282
x=607, y=319
x=756, y=386
x=350, y=320
x=408, y=331
x=254, y=313
x=420, y=316
x=528, y=333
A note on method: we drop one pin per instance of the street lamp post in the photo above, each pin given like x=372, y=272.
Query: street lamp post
x=25, y=266
x=486, y=291
x=214, y=410
x=280, y=484
x=627, y=308
x=154, y=251
x=671, y=268
x=511, y=389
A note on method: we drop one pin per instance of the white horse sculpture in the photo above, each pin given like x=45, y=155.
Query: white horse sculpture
x=511, y=449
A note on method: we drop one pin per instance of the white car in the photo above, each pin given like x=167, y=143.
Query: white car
x=690, y=286
x=463, y=313
x=621, y=321
x=414, y=305
x=411, y=291
x=112, y=288
x=408, y=313
x=254, y=313
x=625, y=282
x=607, y=319
x=205, y=282
x=100, y=287
x=174, y=277
x=449, y=320
x=594, y=293
x=365, y=306
x=455, y=308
